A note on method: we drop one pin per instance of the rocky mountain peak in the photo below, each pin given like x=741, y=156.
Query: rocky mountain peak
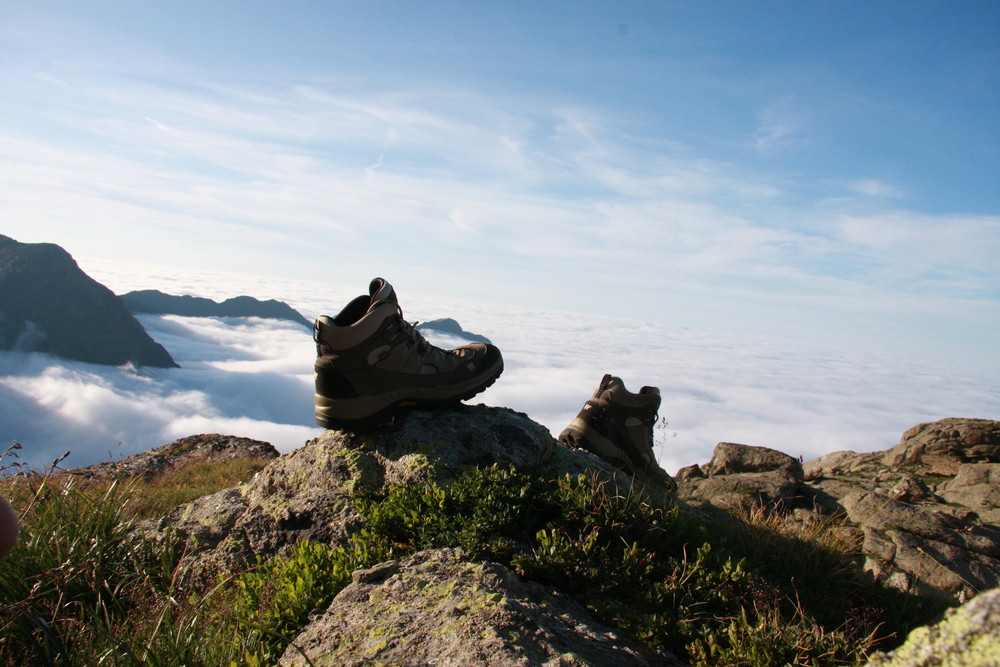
x=48, y=304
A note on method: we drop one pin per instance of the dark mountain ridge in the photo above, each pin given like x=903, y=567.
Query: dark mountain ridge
x=48, y=304
x=159, y=303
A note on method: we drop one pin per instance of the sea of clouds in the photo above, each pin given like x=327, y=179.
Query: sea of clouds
x=253, y=377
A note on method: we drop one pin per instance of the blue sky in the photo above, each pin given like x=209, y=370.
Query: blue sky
x=819, y=171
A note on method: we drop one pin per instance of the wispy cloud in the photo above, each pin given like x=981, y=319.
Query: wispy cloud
x=871, y=187
x=780, y=126
x=922, y=253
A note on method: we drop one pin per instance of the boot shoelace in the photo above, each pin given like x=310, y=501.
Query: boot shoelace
x=414, y=339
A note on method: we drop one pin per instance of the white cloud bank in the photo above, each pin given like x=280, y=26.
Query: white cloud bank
x=253, y=378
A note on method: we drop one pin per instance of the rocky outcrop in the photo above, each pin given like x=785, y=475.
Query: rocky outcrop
x=910, y=517
x=48, y=304
x=740, y=477
x=433, y=608
x=924, y=512
x=967, y=637
x=939, y=448
x=181, y=453
x=437, y=608
x=309, y=493
x=158, y=303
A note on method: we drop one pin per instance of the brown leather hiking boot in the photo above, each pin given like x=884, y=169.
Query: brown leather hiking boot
x=370, y=362
x=617, y=425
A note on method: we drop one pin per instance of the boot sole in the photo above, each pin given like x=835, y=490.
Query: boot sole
x=366, y=412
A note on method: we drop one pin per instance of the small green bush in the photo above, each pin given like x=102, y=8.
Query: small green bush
x=276, y=598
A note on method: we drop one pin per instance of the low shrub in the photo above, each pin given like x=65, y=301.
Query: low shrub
x=77, y=590
x=643, y=565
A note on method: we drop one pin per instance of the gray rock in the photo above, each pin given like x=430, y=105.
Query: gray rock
x=834, y=463
x=976, y=486
x=180, y=453
x=731, y=458
x=436, y=608
x=912, y=490
x=942, y=446
x=967, y=637
x=741, y=477
x=926, y=511
x=932, y=550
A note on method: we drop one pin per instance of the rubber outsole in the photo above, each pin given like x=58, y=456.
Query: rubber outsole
x=396, y=405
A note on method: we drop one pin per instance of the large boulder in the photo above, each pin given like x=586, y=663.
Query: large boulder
x=310, y=492
x=741, y=477
x=437, y=608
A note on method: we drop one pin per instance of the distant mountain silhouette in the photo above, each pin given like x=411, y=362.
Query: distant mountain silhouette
x=156, y=302
x=446, y=325
x=48, y=304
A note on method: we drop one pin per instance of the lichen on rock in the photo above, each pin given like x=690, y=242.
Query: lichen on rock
x=967, y=637
x=438, y=608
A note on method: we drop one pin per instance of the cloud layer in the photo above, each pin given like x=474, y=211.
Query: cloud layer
x=253, y=378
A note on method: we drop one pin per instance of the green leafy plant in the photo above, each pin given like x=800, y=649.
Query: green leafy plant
x=276, y=597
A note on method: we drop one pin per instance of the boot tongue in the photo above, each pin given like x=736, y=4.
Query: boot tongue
x=381, y=291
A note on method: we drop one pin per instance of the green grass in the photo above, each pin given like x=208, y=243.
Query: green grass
x=71, y=587
x=193, y=481
x=78, y=590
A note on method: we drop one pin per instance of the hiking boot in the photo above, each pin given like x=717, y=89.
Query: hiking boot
x=617, y=425
x=370, y=362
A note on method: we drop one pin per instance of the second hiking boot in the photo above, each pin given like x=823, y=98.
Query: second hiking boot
x=617, y=425
x=370, y=361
